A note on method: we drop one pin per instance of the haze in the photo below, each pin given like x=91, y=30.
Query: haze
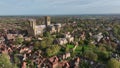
x=58, y=7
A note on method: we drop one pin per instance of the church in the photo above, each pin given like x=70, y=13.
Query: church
x=34, y=29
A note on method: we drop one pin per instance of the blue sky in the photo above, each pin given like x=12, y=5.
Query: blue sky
x=57, y=7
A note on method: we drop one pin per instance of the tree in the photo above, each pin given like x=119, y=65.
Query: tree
x=81, y=42
x=102, y=48
x=49, y=52
x=46, y=34
x=113, y=63
x=84, y=64
x=19, y=40
x=46, y=42
x=67, y=49
x=53, y=50
x=37, y=45
x=43, y=44
x=5, y=62
x=90, y=55
x=86, y=42
x=49, y=40
x=83, y=49
x=17, y=61
x=104, y=55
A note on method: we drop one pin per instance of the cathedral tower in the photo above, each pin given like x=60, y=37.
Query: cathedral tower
x=47, y=21
x=31, y=28
x=32, y=23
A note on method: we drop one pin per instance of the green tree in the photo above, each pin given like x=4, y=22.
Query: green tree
x=43, y=45
x=113, y=63
x=17, y=61
x=46, y=42
x=49, y=52
x=37, y=45
x=90, y=55
x=81, y=42
x=86, y=42
x=53, y=50
x=84, y=64
x=49, y=40
x=19, y=40
x=83, y=49
x=5, y=62
x=67, y=49
x=46, y=34
x=103, y=55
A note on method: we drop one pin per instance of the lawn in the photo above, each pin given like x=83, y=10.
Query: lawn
x=77, y=50
x=88, y=47
x=70, y=46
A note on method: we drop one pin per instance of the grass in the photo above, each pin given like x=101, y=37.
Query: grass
x=88, y=47
x=70, y=46
x=78, y=49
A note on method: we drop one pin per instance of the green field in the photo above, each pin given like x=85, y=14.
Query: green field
x=70, y=46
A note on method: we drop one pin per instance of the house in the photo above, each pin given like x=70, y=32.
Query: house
x=98, y=37
x=24, y=65
x=64, y=64
x=27, y=38
x=66, y=55
x=25, y=50
x=20, y=36
x=82, y=36
x=67, y=35
x=2, y=39
x=69, y=38
x=10, y=36
x=58, y=27
x=61, y=41
x=76, y=62
x=50, y=63
x=54, y=61
x=4, y=51
x=51, y=29
x=90, y=34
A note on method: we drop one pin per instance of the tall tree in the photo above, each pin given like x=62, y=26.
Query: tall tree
x=113, y=63
x=5, y=62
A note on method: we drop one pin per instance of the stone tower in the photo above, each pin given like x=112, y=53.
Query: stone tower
x=32, y=23
x=32, y=29
x=47, y=21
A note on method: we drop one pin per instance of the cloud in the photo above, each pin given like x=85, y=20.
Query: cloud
x=58, y=6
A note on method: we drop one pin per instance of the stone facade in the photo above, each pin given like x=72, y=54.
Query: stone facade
x=34, y=29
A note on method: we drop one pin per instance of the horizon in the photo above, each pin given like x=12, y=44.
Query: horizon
x=66, y=15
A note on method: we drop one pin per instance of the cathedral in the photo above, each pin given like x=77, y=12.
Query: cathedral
x=34, y=29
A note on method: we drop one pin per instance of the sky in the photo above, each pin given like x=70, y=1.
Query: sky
x=59, y=7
